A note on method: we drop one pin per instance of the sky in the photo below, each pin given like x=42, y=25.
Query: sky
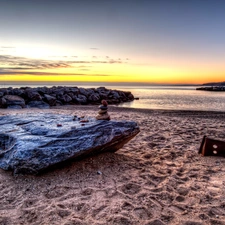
x=139, y=41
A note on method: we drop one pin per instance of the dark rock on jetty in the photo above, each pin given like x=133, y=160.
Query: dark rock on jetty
x=30, y=143
x=44, y=97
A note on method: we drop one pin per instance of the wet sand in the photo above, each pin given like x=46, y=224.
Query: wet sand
x=157, y=178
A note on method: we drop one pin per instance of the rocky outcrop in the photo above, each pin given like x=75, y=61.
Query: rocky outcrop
x=45, y=97
x=212, y=88
x=30, y=143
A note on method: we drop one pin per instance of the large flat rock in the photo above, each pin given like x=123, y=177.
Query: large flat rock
x=32, y=142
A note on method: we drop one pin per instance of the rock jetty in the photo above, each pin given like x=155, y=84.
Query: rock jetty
x=44, y=97
x=33, y=142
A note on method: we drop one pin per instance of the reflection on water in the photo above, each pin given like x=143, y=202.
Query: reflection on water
x=180, y=98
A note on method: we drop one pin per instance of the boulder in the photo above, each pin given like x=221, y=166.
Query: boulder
x=94, y=97
x=65, y=98
x=2, y=102
x=50, y=99
x=17, y=91
x=81, y=99
x=32, y=142
x=33, y=95
x=38, y=104
x=115, y=94
x=1, y=93
x=14, y=107
x=13, y=100
x=83, y=91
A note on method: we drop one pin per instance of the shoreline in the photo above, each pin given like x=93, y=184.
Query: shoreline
x=156, y=178
x=112, y=108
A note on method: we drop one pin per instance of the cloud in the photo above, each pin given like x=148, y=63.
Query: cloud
x=7, y=47
x=22, y=62
x=94, y=48
x=16, y=68
x=19, y=66
x=2, y=72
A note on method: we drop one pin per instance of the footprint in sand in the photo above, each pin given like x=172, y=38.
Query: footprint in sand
x=75, y=222
x=155, y=222
x=127, y=206
x=121, y=220
x=131, y=188
x=87, y=192
x=191, y=223
x=5, y=220
x=142, y=213
x=182, y=191
x=180, y=198
x=63, y=212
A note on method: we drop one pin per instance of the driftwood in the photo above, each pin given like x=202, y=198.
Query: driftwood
x=212, y=147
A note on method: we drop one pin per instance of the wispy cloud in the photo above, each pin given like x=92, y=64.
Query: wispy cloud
x=19, y=66
x=26, y=63
x=7, y=47
x=94, y=48
x=3, y=72
x=21, y=62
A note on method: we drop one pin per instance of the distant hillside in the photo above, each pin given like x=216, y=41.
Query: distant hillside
x=215, y=84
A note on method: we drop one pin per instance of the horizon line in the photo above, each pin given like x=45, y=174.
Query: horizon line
x=95, y=83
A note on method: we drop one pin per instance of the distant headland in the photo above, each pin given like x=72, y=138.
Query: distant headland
x=213, y=86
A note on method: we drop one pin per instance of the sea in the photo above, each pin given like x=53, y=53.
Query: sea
x=164, y=97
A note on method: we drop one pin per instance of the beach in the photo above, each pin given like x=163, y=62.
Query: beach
x=157, y=178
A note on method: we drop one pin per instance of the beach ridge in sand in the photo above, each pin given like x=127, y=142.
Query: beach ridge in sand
x=156, y=178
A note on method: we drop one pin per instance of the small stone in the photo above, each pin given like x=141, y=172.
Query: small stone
x=75, y=118
x=84, y=121
x=99, y=173
x=102, y=111
x=59, y=125
x=104, y=102
x=103, y=116
x=103, y=107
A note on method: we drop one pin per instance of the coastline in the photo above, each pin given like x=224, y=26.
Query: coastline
x=157, y=178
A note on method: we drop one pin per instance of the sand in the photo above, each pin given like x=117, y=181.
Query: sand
x=157, y=178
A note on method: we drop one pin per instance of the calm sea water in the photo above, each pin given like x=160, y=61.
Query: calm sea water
x=168, y=97
x=176, y=98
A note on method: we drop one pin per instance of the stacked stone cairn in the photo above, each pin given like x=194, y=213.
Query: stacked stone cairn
x=103, y=112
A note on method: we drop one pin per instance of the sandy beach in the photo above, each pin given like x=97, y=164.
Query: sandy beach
x=157, y=178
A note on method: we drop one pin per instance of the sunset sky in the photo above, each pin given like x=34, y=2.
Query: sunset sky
x=112, y=41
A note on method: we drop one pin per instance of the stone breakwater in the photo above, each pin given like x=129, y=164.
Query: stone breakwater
x=44, y=97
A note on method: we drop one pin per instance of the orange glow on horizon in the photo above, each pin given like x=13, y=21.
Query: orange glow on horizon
x=121, y=72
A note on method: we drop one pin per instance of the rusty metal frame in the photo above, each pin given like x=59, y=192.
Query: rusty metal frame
x=212, y=147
